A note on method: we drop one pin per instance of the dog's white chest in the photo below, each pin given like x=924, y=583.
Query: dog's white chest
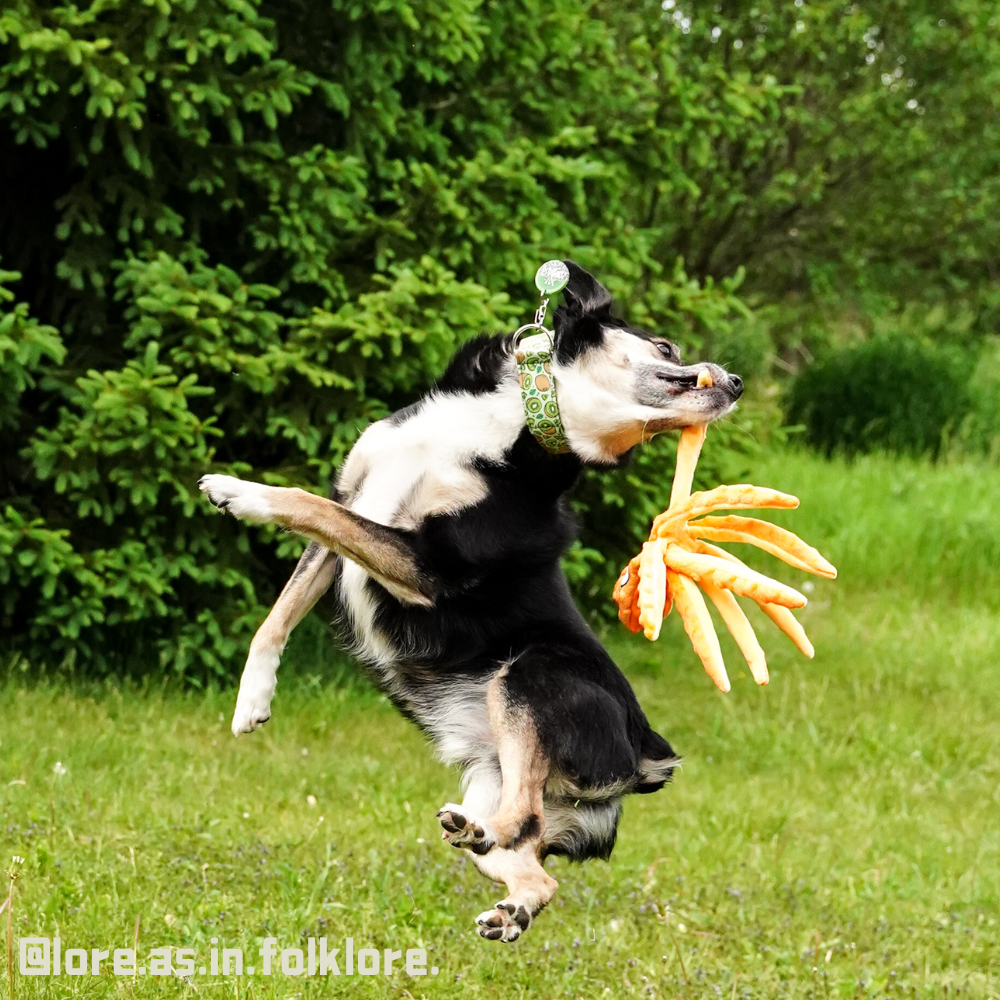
x=399, y=474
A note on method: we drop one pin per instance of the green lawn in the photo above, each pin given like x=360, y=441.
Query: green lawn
x=834, y=834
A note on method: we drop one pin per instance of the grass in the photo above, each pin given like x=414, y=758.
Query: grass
x=833, y=835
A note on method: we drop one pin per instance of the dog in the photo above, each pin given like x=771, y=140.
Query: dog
x=441, y=545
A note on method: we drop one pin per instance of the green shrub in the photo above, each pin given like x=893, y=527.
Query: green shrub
x=244, y=232
x=891, y=392
x=113, y=559
x=745, y=347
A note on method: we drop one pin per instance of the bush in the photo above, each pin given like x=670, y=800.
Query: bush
x=891, y=392
x=745, y=347
x=240, y=238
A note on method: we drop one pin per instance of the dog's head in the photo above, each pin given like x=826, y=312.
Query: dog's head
x=619, y=386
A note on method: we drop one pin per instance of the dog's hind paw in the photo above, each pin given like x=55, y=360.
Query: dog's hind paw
x=242, y=499
x=461, y=831
x=506, y=922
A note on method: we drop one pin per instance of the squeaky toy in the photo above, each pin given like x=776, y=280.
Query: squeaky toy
x=680, y=558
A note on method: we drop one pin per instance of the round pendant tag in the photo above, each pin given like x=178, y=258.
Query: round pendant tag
x=552, y=277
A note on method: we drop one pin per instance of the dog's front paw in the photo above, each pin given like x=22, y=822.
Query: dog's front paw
x=506, y=922
x=461, y=831
x=253, y=703
x=247, y=501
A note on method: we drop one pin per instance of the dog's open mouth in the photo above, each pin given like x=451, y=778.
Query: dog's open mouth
x=679, y=383
x=686, y=382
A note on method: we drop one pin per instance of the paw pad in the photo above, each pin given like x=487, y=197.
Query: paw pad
x=504, y=923
x=460, y=831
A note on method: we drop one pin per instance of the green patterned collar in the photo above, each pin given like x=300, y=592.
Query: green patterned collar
x=533, y=355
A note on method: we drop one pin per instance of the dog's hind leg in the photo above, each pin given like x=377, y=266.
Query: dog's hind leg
x=312, y=577
x=524, y=768
x=506, y=845
x=529, y=886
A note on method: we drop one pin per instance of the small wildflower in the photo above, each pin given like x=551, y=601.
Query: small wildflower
x=59, y=769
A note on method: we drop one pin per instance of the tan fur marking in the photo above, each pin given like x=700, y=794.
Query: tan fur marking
x=335, y=527
x=524, y=768
x=303, y=589
x=433, y=496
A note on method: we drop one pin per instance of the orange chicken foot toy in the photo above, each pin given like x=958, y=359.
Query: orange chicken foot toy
x=679, y=558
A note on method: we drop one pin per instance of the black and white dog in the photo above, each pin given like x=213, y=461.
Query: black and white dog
x=442, y=543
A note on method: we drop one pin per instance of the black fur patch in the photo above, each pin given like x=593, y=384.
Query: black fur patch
x=477, y=367
x=584, y=293
x=529, y=828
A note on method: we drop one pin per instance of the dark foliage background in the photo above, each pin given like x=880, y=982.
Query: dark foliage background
x=235, y=232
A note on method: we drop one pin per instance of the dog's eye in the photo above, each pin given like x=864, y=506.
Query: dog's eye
x=669, y=351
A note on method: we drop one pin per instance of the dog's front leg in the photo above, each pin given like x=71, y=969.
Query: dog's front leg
x=388, y=554
x=312, y=576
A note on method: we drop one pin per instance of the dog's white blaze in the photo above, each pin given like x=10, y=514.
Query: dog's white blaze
x=397, y=474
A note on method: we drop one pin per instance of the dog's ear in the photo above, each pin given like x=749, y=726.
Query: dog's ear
x=579, y=320
x=584, y=293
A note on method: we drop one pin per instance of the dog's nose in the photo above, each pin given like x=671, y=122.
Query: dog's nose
x=735, y=386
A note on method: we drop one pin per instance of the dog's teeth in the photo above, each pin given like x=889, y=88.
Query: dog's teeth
x=705, y=379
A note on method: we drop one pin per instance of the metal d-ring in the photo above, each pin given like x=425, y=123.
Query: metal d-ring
x=531, y=326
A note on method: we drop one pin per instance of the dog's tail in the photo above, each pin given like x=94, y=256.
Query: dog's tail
x=657, y=761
